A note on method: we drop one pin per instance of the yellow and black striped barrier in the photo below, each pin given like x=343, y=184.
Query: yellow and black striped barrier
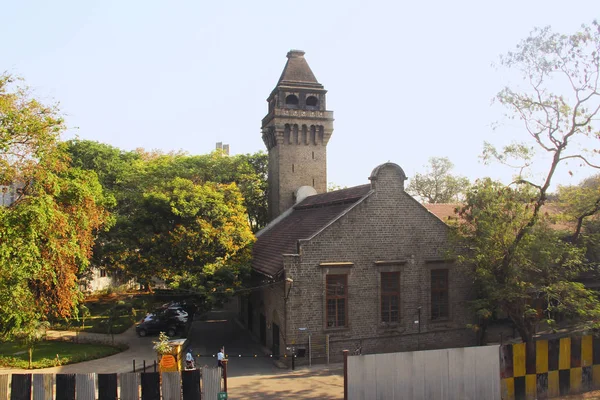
x=558, y=367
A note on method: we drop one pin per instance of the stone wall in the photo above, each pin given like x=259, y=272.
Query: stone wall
x=388, y=231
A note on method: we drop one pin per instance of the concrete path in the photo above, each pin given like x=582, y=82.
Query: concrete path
x=317, y=382
x=220, y=329
x=139, y=349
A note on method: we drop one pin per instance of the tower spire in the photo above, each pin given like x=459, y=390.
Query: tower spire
x=296, y=131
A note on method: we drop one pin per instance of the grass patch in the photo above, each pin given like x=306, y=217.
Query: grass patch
x=134, y=308
x=45, y=353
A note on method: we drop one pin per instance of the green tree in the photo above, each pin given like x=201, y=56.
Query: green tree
x=580, y=202
x=540, y=280
x=437, y=185
x=517, y=258
x=31, y=333
x=154, y=193
x=47, y=234
x=194, y=235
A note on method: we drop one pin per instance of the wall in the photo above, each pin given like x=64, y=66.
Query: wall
x=465, y=373
x=388, y=226
x=557, y=367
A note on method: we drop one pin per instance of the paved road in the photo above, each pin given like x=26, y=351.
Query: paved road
x=220, y=329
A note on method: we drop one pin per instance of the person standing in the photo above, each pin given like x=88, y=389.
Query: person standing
x=220, y=357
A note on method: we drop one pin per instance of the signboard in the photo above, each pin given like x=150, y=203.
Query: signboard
x=222, y=396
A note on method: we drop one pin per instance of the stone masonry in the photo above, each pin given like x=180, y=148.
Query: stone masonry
x=356, y=233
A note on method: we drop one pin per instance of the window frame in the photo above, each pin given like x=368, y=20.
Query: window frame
x=336, y=297
x=383, y=293
x=435, y=304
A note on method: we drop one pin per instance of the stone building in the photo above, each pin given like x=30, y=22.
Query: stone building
x=363, y=268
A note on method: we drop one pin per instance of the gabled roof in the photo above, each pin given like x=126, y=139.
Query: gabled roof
x=297, y=72
x=305, y=219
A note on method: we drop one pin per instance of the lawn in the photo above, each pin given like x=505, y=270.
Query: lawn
x=45, y=353
x=131, y=308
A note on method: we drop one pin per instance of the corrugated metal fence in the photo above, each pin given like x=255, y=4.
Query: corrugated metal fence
x=186, y=385
x=463, y=373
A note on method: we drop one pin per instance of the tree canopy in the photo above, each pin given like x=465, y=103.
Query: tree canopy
x=437, y=185
x=47, y=233
x=521, y=265
x=185, y=219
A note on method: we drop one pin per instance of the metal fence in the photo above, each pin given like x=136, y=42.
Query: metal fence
x=462, y=374
x=203, y=383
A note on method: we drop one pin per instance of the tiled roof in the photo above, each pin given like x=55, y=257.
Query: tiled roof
x=447, y=211
x=443, y=211
x=306, y=219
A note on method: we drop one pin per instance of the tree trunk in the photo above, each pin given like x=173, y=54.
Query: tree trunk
x=482, y=333
x=30, y=357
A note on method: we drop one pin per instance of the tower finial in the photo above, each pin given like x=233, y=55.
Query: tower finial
x=295, y=53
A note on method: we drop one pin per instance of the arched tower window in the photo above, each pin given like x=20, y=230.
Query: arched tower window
x=291, y=100
x=312, y=101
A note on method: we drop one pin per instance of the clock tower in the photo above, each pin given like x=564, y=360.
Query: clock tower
x=296, y=130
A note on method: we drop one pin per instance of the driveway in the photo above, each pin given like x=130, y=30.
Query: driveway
x=220, y=329
x=258, y=377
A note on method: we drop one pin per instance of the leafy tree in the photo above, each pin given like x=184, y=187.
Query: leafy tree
x=527, y=258
x=31, y=333
x=46, y=235
x=165, y=204
x=196, y=235
x=437, y=185
x=580, y=203
x=539, y=282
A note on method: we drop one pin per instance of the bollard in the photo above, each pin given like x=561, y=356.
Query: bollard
x=144, y=365
x=154, y=365
x=345, y=374
x=225, y=375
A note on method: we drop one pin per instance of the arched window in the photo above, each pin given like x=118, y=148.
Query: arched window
x=312, y=101
x=291, y=99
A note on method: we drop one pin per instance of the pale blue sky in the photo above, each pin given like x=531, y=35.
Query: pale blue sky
x=406, y=80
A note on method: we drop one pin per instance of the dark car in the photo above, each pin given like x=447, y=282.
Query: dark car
x=162, y=322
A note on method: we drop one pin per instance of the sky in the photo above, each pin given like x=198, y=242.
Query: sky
x=406, y=80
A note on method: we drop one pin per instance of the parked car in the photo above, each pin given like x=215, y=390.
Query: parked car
x=161, y=322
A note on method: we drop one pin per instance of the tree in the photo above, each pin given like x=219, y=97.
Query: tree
x=31, y=333
x=437, y=185
x=156, y=197
x=47, y=234
x=580, y=203
x=539, y=283
x=194, y=235
x=557, y=124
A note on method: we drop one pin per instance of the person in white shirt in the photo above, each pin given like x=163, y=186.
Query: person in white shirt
x=189, y=360
x=220, y=357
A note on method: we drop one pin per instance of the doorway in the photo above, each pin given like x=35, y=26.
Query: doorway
x=263, y=329
x=276, y=341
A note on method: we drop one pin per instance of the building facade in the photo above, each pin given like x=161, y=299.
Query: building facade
x=364, y=268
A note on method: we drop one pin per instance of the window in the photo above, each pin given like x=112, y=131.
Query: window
x=102, y=273
x=390, y=297
x=337, y=300
x=439, y=293
x=312, y=101
x=291, y=99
